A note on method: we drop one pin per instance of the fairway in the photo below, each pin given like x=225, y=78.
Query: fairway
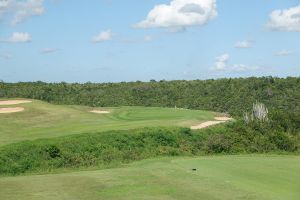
x=217, y=177
x=44, y=120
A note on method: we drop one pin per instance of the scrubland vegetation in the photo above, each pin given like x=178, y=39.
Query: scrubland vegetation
x=118, y=147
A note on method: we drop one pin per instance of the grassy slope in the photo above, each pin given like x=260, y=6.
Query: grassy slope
x=43, y=120
x=221, y=177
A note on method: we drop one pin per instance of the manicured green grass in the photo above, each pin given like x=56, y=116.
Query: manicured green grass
x=43, y=120
x=217, y=178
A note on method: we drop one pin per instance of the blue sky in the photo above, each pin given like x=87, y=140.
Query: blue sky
x=113, y=41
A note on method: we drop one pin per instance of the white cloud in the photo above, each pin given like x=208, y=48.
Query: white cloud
x=243, y=44
x=48, y=50
x=180, y=14
x=19, y=11
x=285, y=20
x=103, y=36
x=221, y=62
x=283, y=52
x=18, y=37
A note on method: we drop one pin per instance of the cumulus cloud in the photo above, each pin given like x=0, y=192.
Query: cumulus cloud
x=283, y=52
x=221, y=62
x=180, y=14
x=19, y=11
x=243, y=44
x=103, y=36
x=285, y=20
x=18, y=37
x=48, y=50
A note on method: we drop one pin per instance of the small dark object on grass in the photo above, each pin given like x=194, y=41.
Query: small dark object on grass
x=194, y=169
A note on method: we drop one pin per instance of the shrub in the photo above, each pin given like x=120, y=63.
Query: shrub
x=53, y=151
x=117, y=147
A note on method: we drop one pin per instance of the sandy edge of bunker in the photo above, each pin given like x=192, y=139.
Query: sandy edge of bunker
x=218, y=120
x=13, y=102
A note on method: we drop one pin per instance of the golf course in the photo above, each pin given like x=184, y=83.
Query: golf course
x=80, y=152
x=149, y=100
x=43, y=120
x=263, y=177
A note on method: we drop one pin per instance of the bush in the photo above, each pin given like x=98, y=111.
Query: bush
x=218, y=143
x=117, y=147
x=53, y=151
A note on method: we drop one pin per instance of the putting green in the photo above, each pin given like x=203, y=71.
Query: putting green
x=43, y=120
x=216, y=178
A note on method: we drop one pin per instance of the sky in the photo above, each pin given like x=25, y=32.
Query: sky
x=130, y=40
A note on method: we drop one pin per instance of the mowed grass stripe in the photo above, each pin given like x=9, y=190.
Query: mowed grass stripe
x=216, y=178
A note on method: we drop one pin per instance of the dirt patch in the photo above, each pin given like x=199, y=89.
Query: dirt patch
x=219, y=120
x=100, y=111
x=14, y=102
x=11, y=110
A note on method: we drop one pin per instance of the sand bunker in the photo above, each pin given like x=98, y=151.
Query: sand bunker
x=206, y=124
x=223, y=118
x=14, y=102
x=11, y=110
x=219, y=120
x=99, y=111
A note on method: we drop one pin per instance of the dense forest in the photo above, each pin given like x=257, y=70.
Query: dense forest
x=233, y=96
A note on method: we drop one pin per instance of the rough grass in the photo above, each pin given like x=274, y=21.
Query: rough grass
x=43, y=120
x=217, y=178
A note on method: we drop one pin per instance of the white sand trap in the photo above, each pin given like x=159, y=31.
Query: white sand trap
x=223, y=118
x=219, y=120
x=206, y=124
x=100, y=111
x=11, y=110
x=14, y=102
